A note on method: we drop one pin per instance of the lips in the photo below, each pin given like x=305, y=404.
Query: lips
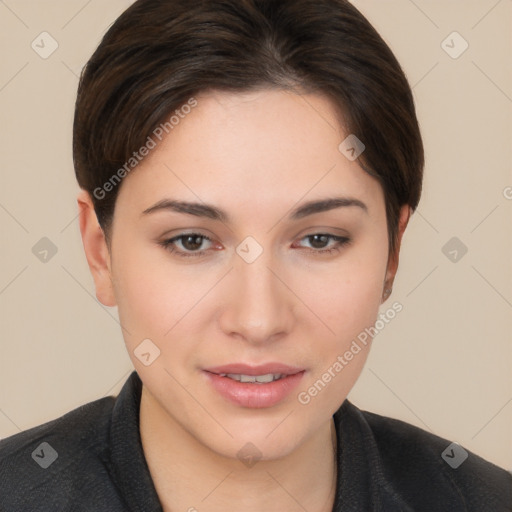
x=254, y=386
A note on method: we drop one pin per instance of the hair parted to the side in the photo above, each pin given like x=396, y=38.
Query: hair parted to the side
x=160, y=53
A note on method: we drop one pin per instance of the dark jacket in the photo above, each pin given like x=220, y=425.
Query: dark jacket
x=91, y=459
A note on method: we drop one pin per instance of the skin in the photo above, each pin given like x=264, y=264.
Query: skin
x=257, y=156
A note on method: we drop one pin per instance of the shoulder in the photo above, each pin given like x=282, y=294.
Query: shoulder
x=65, y=454
x=424, y=468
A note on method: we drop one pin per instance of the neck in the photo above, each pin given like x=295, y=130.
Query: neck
x=189, y=476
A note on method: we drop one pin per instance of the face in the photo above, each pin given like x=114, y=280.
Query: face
x=266, y=286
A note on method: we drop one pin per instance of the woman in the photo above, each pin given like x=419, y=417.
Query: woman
x=248, y=169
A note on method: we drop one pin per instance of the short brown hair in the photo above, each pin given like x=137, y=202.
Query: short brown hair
x=160, y=53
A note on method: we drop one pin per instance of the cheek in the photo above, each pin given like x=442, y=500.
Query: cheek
x=149, y=293
x=347, y=297
x=349, y=307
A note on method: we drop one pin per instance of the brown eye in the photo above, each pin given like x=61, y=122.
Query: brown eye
x=190, y=243
x=319, y=241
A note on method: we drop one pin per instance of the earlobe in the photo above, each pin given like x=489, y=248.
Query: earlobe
x=96, y=250
x=405, y=214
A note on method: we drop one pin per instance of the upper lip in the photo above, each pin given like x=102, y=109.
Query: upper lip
x=262, y=369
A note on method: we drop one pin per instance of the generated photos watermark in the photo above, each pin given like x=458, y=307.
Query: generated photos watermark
x=151, y=142
x=305, y=397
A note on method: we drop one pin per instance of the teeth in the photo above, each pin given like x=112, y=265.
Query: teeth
x=262, y=379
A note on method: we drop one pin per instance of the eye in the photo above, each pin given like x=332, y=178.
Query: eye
x=321, y=239
x=189, y=242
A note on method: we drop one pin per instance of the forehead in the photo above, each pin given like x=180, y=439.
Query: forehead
x=259, y=148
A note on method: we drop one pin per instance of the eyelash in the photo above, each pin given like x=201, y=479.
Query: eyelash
x=341, y=241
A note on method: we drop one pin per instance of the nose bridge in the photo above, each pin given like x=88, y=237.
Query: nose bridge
x=258, y=305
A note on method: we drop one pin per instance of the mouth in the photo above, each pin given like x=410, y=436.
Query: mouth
x=254, y=386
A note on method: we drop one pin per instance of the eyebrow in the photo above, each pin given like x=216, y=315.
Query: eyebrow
x=214, y=213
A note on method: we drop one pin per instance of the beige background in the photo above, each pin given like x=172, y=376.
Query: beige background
x=443, y=364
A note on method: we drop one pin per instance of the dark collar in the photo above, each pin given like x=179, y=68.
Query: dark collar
x=130, y=471
x=358, y=462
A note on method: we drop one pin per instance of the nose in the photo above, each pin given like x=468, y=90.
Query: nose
x=259, y=305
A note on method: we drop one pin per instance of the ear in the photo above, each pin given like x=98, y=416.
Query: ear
x=96, y=250
x=405, y=214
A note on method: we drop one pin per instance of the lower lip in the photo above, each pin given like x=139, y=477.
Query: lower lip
x=256, y=396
